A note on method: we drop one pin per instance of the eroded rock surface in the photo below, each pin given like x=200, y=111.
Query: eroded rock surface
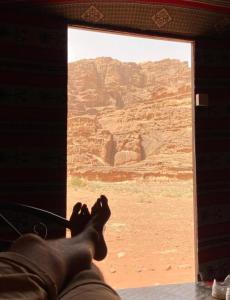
x=129, y=120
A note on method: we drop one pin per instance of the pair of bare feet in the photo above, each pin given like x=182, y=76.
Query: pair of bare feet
x=82, y=219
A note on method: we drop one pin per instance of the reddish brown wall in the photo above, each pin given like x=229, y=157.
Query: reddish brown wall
x=33, y=110
x=212, y=76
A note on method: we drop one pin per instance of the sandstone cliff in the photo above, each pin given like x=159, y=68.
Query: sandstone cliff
x=129, y=120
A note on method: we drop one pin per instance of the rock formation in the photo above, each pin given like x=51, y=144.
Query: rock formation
x=129, y=120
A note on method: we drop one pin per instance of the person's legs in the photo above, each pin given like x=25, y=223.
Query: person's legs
x=90, y=284
x=38, y=269
x=60, y=259
x=47, y=265
x=78, y=221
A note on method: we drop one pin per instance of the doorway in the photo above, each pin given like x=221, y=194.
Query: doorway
x=130, y=138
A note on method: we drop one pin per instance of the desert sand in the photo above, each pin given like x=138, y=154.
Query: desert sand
x=150, y=234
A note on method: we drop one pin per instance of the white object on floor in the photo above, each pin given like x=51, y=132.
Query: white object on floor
x=219, y=289
x=228, y=294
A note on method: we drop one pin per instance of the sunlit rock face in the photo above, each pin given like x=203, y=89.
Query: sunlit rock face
x=129, y=120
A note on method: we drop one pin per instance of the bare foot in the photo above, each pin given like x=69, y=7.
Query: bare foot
x=100, y=214
x=80, y=217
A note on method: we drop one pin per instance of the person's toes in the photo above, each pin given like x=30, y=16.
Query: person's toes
x=86, y=211
x=85, y=214
x=79, y=218
x=104, y=202
x=77, y=207
x=104, y=199
x=95, y=207
x=83, y=209
x=105, y=210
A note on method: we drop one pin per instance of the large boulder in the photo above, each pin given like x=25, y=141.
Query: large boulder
x=126, y=157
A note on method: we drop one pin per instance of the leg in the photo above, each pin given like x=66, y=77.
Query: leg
x=46, y=266
x=60, y=259
x=89, y=284
x=36, y=269
x=64, y=258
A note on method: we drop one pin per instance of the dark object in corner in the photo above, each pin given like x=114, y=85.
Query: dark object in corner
x=18, y=219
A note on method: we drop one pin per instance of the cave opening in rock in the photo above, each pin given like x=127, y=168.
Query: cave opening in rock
x=130, y=138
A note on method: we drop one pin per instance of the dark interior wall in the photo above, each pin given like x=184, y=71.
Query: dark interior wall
x=33, y=110
x=212, y=126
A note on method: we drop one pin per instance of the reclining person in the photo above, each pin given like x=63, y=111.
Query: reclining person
x=60, y=269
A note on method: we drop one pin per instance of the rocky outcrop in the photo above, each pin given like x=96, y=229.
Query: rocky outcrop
x=129, y=120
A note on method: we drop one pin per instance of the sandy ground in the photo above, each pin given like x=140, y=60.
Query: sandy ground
x=150, y=235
